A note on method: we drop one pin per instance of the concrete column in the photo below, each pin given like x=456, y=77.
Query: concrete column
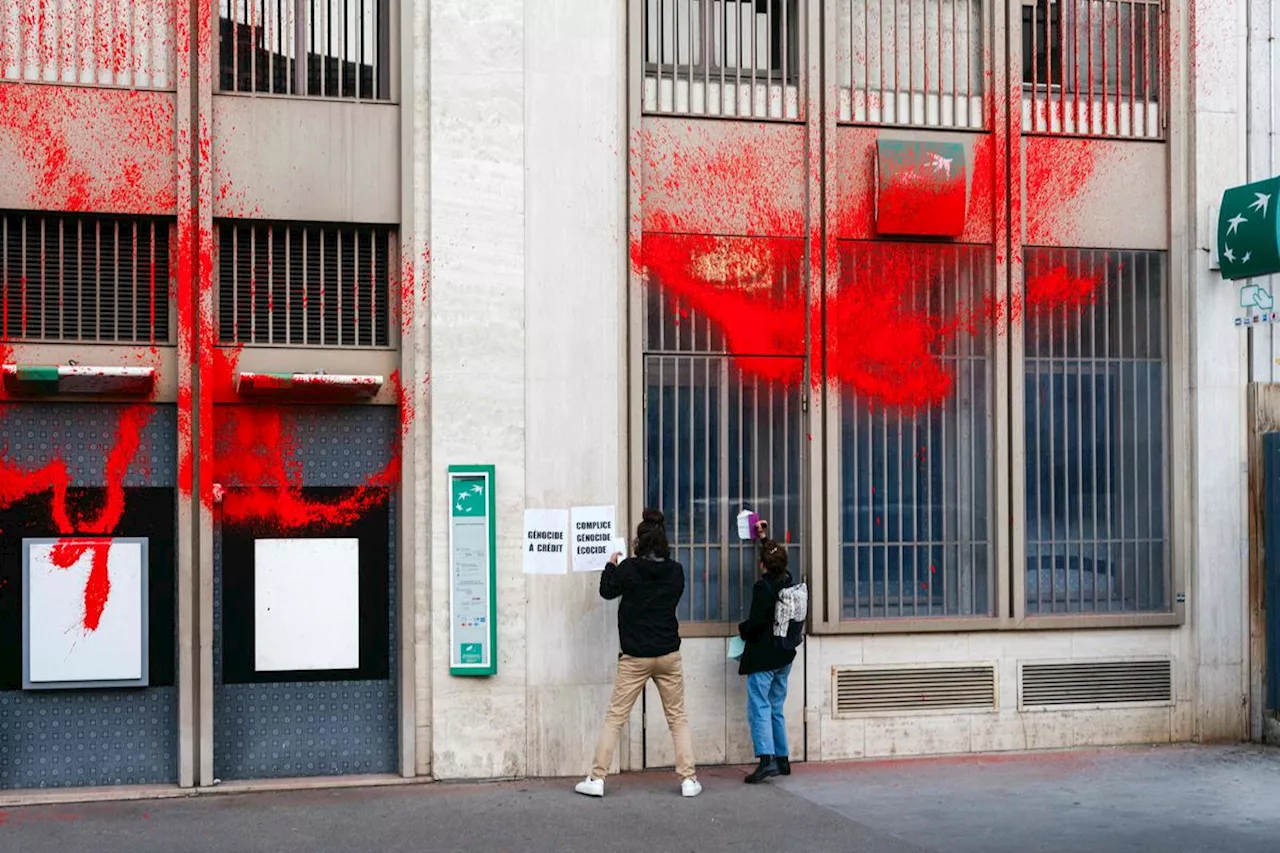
x=575, y=351
x=1217, y=607
x=476, y=352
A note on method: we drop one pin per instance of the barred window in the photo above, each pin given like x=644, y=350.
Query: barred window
x=915, y=509
x=100, y=279
x=740, y=58
x=723, y=416
x=1096, y=432
x=911, y=62
x=318, y=48
x=1093, y=67
x=304, y=284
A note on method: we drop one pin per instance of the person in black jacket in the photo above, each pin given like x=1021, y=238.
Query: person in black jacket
x=650, y=585
x=766, y=665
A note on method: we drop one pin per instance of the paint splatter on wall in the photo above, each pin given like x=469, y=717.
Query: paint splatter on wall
x=869, y=330
x=122, y=150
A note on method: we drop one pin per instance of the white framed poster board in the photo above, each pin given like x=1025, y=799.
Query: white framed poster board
x=84, y=613
x=473, y=571
x=306, y=604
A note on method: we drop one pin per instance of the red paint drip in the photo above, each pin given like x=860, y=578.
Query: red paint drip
x=17, y=483
x=67, y=553
x=256, y=448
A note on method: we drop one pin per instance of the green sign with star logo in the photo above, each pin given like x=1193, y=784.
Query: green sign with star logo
x=1249, y=230
x=473, y=571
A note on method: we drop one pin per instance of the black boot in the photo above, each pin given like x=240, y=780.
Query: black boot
x=767, y=769
x=784, y=765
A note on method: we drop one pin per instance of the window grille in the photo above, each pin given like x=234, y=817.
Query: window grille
x=911, y=62
x=317, y=48
x=734, y=58
x=915, y=482
x=719, y=439
x=721, y=432
x=1097, y=437
x=100, y=279
x=103, y=43
x=293, y=284
x=1093, y=67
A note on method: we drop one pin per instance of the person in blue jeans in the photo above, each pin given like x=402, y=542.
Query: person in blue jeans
x=767, y=665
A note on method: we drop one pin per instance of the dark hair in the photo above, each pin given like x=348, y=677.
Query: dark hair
x=651, y=535
x=774, y=558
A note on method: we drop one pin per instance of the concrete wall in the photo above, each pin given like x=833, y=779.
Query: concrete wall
x=477, y=357
x=1217, y=601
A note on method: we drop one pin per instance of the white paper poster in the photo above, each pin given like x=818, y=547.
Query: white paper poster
x=546, y=541
x=592, y=535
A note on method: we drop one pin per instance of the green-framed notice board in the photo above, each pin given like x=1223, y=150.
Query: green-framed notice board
x=473, y=571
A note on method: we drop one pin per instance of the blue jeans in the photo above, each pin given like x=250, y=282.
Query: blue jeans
x=766, y=694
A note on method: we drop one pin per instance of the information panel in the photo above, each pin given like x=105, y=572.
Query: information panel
x=473, y=572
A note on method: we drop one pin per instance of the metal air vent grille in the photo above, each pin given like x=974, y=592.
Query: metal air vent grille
x=1096, y=683
x=872, y=690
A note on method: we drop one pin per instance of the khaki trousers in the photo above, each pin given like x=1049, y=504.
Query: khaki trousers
x=667, y=673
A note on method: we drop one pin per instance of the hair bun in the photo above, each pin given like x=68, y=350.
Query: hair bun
x=653, y=516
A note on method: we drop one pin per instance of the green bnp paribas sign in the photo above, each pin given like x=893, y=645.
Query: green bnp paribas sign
x=1249, y=230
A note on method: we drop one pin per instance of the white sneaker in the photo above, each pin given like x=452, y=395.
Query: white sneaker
x=690, y=788
x=595, y=787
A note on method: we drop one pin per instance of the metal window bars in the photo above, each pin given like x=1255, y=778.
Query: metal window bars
x=101, y=43
x=304, y=285
x=99, y=279
x=316, y=48
x=1094, y=67
x=915, y=499
x=719, y=439
x=725, y=58
x=721, y=433
x=911, y=62
x=1097, y=433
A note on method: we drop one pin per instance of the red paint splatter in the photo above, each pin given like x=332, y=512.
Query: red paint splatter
x=1058, y=288
x=17, y=483
x=921, y=193
x=1059, y=170
x=123, y=164
x=67, y=553
x=256, y=451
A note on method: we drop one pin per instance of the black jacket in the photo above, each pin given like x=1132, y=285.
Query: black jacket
x=762, y=653
x=650, y=589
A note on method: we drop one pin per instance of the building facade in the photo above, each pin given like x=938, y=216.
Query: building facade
x=929, y=284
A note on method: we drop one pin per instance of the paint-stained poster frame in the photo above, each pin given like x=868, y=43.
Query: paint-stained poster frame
x=473, y=571
x=143, y=625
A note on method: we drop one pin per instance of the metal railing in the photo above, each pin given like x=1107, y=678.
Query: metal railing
x=317, y=48
x=308, y=285
x=915, y=501
x=100, y=279
x=1096, y=400
x=729, y=58
x=1094, y=67
x=911, y=62
x=103, y=43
